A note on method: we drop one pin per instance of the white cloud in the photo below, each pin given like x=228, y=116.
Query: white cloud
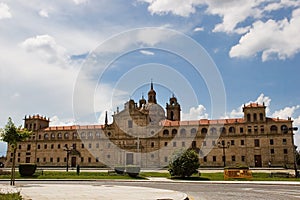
x=56, y=121
x=176, y=7
x=4, y=11
x=44, y=13
x=195, y=113
x=198, y=29
x=272, y=38
x=285, y=112
x=78, y=2
x=47, y=48
x=150, y=53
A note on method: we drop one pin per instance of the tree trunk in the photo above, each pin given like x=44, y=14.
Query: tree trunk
x=13, y=167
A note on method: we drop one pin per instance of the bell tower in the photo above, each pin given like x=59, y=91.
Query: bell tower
x=152, y=94
x=173, y=109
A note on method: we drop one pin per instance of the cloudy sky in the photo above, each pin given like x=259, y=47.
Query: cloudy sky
x=71, y=60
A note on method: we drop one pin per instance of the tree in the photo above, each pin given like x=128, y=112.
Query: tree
x=13, y=135
x=184, y=163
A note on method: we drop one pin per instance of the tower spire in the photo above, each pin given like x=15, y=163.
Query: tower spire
x=151, y=94
x=106, y=120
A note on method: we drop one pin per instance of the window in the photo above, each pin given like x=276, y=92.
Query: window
x=284, y=129
x=39, y=146
x=90, y=136
x=82, y=146
x=232, y=142
x=166, y=159
x=28, y=147
x=256, y=142
x=213, y=143
x=82, y=135
x=183, y=144
x=152, y=155
x=182, y=132
x=59, y=136
x=243, y=158
x=271, y=142
x=82, y=159
x=261, y=117
x=174, y=132
x=52, y=146
x=203, y=130
x=214, y=158
x=249, y=129
x=213, y=131
x=44, y=159
x=273, y=129
x=204, y=143
x=193, y=132
x=74, y=136
x=242, y=142
x=58, y=146
x=285, y=151
x=262, y=129
x=90, y=145
x=233, y=158
x=52, y=136
x=166, y=144
x=223, y=130
x=231, y=129
x=58, y=159
x=45, y=146
x=255, y=117
x=20, y=147
x=97, y=145
x=248, y=117
x=46, y=136
x=37, y=159
x=90, y=159
x=255, y=129
x=241, y=130
x=66, y=135
x=97, y=159
x=272, y=151
x=174, y=144
x=129, y=123
x=166, y=132
x=284, y=141
x=204, y=159
x=97, y=135
x=51, y=159
x=152, y=144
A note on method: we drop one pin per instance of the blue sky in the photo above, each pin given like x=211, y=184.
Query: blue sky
x=254, y=46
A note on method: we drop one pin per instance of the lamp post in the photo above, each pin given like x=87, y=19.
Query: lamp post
x=224, y=146
x=68, y=153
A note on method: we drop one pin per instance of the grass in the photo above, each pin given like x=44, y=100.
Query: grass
x=12, y=196
x=143, y=175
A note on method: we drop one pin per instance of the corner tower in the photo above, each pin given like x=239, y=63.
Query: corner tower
x=173, y=109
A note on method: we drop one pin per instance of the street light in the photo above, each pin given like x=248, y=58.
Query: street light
x=224, y=146
x=68, y=153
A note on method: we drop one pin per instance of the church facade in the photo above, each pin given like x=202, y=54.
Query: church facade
x=145, y=134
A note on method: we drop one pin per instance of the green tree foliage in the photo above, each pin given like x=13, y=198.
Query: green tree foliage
x=13, y=135
x=184, y=163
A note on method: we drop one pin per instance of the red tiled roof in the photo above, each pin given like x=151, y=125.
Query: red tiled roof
x=254, y=105
x=201, y=122
x=74, y=127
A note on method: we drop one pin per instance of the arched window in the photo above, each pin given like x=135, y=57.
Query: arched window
x=255, y=117
x=223, y=130
x=66, y=135
x=182, y=132
x=166, y=132
x=82, y=135
x=193, y=132
x=97, y=135
x=213, y=131
x=46, y=136
x=74, y=135
x=273, y=129
x=261, y=117
x=284, y=129
x=109, y=134
x=172, y=115
x=90, y=136
x=59, y=136
x=52, y=136
x=231, y=129
x=203, y=130
x=248, y=118
x=174, y=132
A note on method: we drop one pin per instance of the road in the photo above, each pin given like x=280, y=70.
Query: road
x=204, y=190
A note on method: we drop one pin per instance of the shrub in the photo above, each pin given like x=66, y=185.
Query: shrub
x=133, y=171
x=27, y=169
x=184, y=163
x=120, y=169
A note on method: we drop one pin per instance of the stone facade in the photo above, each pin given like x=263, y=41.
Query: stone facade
x=142, y=134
